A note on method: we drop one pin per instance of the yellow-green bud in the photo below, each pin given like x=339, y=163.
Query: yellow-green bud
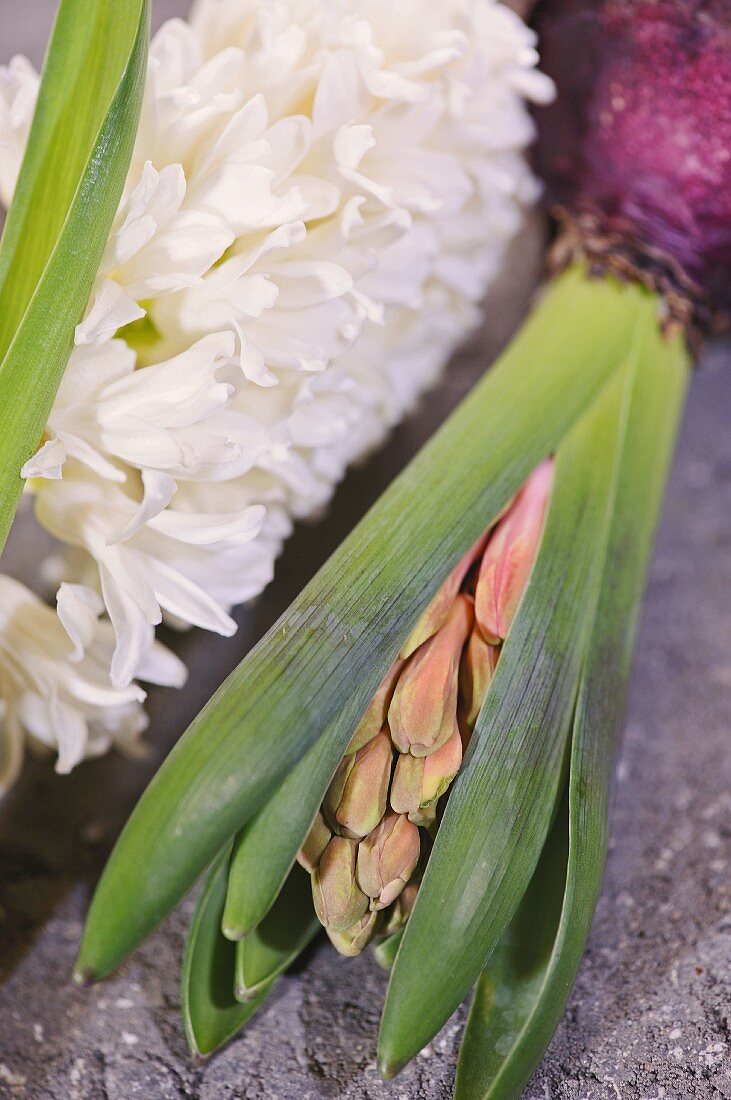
x=401, y=909
x=424, y=705
x=419, y=781
x=437, y=613
x=374, y=718
x=339, y=901
x=475, y=673
x=314, y=844
x=356, y=799
x=352, y=941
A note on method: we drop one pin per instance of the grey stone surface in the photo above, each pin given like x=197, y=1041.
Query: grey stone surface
x=650, y=1016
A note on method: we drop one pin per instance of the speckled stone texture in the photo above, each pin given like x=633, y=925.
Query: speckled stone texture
x=650, y=1016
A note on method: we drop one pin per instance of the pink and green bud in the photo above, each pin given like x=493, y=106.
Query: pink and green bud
x=425, y=816
x=401, y=910
x=357, y=797
x=440, y=769
x=375, y=716
x=424, y=705
x=314, y=844
x=437, y=613
x=475, y=673
x=509, y=557
x=387, y=858
x=353, y=940
x=339, y=901
x=419, y=781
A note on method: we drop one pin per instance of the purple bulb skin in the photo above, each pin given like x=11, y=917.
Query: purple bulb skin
x=640, y=133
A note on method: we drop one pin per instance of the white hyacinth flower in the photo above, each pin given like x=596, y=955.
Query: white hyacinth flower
x=319, y=196
x=56, y=690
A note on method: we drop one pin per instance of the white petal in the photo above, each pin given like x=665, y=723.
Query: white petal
x=187, y=600
x=111, y=309
x=47, y=461
x=200, y=529
x=159, y=489
x=160, y=666
x=79, y=608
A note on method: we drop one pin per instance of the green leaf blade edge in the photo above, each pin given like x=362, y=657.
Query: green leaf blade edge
x=266, y=848
x=211, y=1014
x=289, y=926
x=67, y=194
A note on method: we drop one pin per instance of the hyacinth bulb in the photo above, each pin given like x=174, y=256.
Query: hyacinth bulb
x=640, y=131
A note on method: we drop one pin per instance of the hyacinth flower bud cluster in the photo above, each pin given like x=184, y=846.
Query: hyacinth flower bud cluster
x=367, y=846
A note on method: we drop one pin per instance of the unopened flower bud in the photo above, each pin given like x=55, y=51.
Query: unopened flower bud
x=352, y=940
x=314, y=844
x=339, y=901
x=475, y=673
x=419, y=781
x=374, y=718
x=387, y=858
x=509, y=556
x=422, y=712
x=425, y=816
x=436, y=614
x=401, y=909
x=356, y=799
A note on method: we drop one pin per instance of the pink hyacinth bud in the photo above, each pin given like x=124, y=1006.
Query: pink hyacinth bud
x=387, y=858
x=509, y=556
x=374, y=718
x=356, y=799
x=424, y=705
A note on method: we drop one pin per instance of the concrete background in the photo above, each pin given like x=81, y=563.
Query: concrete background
x=650, y=1017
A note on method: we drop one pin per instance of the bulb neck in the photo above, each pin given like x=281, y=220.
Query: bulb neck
x=609, y=246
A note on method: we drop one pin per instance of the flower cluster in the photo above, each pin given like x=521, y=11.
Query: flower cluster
x=319, y=196
x=371, y=838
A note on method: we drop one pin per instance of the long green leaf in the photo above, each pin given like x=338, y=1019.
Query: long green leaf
x=508, y=991
x=334, y=644
x=516, y=1010
x=284, y=933
x=211, y=1013
x=67, y=193
x=501, y=806
x=268, y=844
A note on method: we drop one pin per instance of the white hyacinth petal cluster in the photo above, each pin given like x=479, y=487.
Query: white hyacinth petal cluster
x=320, y=193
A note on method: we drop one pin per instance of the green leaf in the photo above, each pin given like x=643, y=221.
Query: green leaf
x=517, y=1008
x=211, y=1013
x=508, y=992
x=67, y=193
x=267, y=846
x=503, y=801
x=333, y=645
x=284, y=933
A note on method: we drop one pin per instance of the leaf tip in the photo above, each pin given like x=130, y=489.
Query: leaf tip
x=84, y=976
x=243, y=994
x=389, y=1067
x=234, y=932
